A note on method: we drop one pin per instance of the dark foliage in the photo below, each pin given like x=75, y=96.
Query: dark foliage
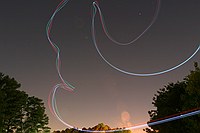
x=174, y=99
x=19, y=112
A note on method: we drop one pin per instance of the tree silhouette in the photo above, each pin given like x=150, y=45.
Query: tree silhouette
x=176, y=98
x=19, y=112
x=100, y=127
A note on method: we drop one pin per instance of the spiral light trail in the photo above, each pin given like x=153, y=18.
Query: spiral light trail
x=67, y=86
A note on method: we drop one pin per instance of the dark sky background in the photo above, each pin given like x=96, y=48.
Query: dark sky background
x=102, y=94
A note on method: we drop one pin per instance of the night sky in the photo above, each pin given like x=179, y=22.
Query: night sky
x=102, y=94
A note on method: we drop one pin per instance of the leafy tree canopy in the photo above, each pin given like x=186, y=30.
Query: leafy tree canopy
x=176, y=98
x=18, y=112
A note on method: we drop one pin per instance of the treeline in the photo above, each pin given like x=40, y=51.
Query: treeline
x=100, y=127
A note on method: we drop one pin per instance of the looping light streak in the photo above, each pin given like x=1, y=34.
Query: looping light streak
x=67, y=86
x=97, y=8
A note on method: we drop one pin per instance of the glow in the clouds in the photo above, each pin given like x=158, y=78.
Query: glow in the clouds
x=67, y=86
x=145, y=124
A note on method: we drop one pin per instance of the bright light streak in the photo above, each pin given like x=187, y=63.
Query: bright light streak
x=174, y=118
